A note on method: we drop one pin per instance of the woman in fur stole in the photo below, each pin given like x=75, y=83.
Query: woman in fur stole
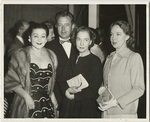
x=31, y=76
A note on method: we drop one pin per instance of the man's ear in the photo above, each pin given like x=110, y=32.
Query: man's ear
x=19, y=31
x=56, y=26
x=73, y=26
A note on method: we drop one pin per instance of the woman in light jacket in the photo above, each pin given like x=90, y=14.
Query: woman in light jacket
x=123, y=75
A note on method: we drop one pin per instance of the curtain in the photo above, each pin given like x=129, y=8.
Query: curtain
x=130, y=11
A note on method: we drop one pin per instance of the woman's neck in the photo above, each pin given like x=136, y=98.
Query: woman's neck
x=37, y=52
x=120, y=49
x=84, y=54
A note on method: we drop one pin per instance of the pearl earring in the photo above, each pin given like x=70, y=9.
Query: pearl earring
x=29, y=40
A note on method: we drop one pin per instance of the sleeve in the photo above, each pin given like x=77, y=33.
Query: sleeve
x=137, y=81
x=66, y=74
x=11, y=80
x=94, y=80
x=60, y=85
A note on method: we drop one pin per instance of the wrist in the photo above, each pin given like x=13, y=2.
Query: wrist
x=26, y=95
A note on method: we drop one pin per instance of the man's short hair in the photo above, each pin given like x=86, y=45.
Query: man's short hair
x=49, y=24
x=64, y=14
x=18, y=24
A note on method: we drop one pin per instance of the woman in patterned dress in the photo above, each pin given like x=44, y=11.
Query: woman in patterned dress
x=32, y=76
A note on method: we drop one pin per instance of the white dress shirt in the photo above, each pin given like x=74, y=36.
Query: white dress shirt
x=20, y=38
x=66, y=46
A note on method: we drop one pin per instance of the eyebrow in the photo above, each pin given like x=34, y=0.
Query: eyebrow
x=38, y=34
x=115, y=32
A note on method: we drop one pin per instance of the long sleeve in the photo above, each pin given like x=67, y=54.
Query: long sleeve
x=67, y=74
x=94, y=79
x=137, y=81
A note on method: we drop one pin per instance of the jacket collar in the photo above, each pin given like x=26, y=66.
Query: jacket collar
x=122, y=54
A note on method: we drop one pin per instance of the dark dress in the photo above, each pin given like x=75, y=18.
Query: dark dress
x=84, y=105
x=39, y=86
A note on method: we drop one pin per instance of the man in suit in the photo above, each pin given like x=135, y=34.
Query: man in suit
x=62, y=46
x=20, y=27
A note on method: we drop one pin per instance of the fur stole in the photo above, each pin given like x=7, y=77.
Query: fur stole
x=18, y=75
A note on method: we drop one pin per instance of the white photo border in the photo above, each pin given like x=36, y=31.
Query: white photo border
x=40, y=2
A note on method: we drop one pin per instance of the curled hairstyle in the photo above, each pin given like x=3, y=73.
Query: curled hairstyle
x=64, y=14
x=90, y=32
x=127, y=30
x=38, y=26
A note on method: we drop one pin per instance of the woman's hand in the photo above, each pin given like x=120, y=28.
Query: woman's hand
x=69, y=95
x=29, y=102
x=108, y=105
x=73, y=90
x=101, y=90
x=28, y=99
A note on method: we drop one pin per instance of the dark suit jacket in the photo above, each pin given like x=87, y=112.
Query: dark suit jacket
x=16, y=44
x=58, y=49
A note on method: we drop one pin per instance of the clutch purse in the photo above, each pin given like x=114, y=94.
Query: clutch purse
x=105, y=95
x=78, y=81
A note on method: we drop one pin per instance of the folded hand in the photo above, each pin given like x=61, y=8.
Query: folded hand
x=73, y=90
x=108, y=105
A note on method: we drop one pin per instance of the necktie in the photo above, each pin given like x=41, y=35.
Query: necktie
x=63, y=41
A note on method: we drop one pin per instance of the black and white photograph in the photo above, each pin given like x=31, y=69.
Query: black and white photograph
x=78, y=61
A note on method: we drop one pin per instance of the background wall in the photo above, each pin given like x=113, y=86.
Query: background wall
x=37, y=13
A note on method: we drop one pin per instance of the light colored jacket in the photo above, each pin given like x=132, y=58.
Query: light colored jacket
x=125, y=79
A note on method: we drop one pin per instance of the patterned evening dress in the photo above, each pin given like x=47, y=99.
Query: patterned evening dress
x=39, y=87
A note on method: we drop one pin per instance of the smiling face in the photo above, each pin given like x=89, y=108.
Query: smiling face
x=38, y=38
x=83, y=42
x=118, y=38
x=64, y=27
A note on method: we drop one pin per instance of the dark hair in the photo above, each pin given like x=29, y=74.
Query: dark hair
x=49, y=24
x=91, y=34
x=101, y=33
x=17, y=25
x=127, y=30
x=97, y=39
x=64, y=14
x=36, y=26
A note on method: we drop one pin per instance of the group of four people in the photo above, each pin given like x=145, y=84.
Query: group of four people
x=38, y=74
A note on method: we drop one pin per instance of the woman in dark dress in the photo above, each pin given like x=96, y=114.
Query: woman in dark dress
x=81, y=103
x=31, y=76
